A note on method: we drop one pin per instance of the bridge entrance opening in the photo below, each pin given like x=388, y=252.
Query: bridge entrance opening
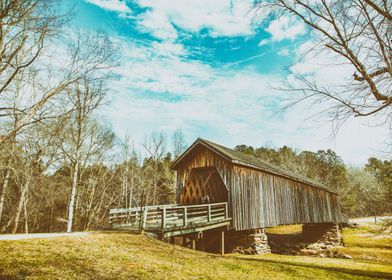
x=204, y=185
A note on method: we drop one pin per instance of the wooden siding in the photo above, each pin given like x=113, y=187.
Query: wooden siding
x=259, y=199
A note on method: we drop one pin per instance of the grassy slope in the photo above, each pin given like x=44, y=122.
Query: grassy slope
x=127, y=256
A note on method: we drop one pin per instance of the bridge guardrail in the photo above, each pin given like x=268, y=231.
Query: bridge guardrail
x=166, y=217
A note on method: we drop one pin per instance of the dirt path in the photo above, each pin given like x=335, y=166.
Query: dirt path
x=40, y=235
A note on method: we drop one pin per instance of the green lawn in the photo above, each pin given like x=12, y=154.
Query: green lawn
x=114, y=255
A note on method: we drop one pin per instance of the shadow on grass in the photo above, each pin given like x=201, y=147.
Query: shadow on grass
x=374, y=274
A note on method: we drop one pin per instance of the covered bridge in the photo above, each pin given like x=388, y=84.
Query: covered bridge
x=259, y=195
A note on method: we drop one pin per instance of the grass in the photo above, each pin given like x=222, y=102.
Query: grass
x=366, y=244
x=119, y=255
x=292, y=229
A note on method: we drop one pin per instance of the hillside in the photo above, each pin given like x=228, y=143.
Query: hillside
x=115, y=255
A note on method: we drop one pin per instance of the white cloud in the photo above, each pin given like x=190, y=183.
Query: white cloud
x=263, y=42
x=169, y=48
x=157, y=24
x=219, y=18
x=284, y=52
x=119, y=6
x=285, y=28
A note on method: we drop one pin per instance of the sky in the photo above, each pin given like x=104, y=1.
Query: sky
x=211, y=68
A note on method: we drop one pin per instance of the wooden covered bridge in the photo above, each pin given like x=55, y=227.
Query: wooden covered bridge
x=222, y=191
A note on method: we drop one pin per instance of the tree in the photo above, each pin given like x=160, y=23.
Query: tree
x=25, y=26
x=129, y=175
x=79, y=132
x=179, y=145
x=155, y=146
x=367, y=192
x=358, y=34
x=88, y=56
x=382, y=170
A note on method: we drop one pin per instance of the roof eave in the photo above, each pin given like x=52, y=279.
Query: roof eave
x=198, y=141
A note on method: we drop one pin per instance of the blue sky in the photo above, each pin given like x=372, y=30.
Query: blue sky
x=209, y=67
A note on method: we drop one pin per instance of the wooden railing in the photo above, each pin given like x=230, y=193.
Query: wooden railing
x=168, y=217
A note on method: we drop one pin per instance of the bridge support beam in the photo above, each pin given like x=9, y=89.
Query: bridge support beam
x=222, y=242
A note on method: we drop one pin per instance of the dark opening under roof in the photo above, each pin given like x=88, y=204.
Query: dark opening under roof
x=249, y=161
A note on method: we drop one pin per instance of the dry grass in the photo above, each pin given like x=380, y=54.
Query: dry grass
x=367, y=243
x=126, y=256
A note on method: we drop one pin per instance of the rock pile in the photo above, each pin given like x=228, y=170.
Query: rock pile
x=250, y=242
x=349, y=225
x=321, y=240
x=329, y=252
x=324, y=234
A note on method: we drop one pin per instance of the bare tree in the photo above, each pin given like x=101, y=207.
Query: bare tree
x=155, y=146
x=129, y=175
x=80, y=129
x=358, y=33
x=25, y=28
x=35, y=153
x=179, y=145
x=25, y=25
x=89, y=56
x=99, y=176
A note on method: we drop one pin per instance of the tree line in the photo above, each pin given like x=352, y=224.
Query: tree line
x=44, y=180
x=50, y=187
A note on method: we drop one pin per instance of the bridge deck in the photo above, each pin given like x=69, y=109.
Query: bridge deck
x=171, y=220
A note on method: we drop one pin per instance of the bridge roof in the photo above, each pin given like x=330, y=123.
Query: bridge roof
x=249, y=161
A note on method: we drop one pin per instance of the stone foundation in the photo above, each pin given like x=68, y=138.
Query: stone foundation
x=322, y=238
x=326, y=233
x=248, y=242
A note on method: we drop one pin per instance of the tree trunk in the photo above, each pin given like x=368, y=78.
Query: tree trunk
x=73, y=195
x=131, y=190
x=51, y=218
x=154, y=194
x=89, y=213
x=3, y=191
x=26, y=218
x=21, y=203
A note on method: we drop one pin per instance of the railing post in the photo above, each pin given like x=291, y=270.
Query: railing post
x=226, y=212
x=185, y=218
x=209, y=213
x=163, y=218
